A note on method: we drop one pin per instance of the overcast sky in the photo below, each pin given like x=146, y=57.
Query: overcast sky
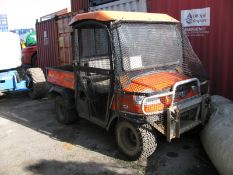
x=23, y=13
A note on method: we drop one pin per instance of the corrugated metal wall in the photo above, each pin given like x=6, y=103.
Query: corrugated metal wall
x=99, y=2
x=47, y=52
x=79, y=5
x=123, y=5
x=213, y=42
x=64, y=37
x=54, y=41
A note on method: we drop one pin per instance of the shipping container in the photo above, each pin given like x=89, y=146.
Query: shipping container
x=54, y=14
x=79, y=6
x=54, y=41
x=123, y=5
x=209, y=27
x=99, y=2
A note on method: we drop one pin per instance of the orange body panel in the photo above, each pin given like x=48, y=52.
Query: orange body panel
x=156, y=82
x=125, y=102
x=133, y=87
x=123, y=16
x=61, y=78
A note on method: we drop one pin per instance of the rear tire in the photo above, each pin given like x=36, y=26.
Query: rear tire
x=137, y=142
x=37, y=83
x=65, y=113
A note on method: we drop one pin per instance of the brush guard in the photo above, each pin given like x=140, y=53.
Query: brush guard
x=180, y=116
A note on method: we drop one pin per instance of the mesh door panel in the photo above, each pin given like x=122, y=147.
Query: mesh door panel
x=94, y=62
x=94, y=42
x=94, y=57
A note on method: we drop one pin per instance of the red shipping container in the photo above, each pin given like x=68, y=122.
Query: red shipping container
x=79, y=6
x=209, y=27
x=54, y=41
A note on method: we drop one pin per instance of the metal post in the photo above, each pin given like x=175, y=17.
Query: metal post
x=177, y=123
x=168, y=129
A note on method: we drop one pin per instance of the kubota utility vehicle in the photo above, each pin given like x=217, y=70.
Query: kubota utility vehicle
x=132, y=72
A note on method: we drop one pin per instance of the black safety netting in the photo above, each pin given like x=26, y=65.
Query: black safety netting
x=94, y=42
x=141, y=48
x=92, y=50
x=191, y=64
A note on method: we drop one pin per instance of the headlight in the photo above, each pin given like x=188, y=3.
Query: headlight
x=151, y=105
x=153, y=101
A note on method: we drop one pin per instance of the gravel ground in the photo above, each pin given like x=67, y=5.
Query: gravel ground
x=32, y=142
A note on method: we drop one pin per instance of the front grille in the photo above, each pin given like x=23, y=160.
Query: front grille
x=188, y=115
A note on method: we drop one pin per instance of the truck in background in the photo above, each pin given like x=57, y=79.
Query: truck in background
x=29, y=56
x=13, y=77
x=29, y=53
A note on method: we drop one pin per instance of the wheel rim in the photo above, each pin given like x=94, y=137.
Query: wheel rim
x=129, y=139
x=132, y=138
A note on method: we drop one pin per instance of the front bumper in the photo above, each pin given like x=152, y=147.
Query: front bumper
x=178, y=119
x=180, y=116
x=185, y=116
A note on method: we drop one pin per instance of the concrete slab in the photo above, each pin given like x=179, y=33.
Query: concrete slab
x=32, y=142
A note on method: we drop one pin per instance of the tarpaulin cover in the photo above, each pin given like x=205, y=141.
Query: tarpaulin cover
x=217, y=136
x=31, y=39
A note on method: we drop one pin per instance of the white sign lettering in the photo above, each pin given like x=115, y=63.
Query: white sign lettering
x=195, y=17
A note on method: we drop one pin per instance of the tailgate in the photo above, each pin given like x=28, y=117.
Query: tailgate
x=60, y=77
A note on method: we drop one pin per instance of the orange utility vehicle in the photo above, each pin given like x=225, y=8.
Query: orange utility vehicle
x=132, y=72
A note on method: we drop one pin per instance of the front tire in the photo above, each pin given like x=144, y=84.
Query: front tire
x=65, y=113
x=137, y=142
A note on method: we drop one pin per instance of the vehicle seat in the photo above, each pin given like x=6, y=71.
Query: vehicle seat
x=100, y=83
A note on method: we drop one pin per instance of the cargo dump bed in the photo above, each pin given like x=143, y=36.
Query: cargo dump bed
x=62, y=76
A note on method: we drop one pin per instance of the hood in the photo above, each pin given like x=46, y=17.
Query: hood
x=154, y=82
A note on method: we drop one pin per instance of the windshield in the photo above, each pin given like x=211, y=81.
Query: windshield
x=146, y=45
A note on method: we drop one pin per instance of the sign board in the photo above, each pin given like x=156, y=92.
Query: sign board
x=196, y=21
x=195, y=17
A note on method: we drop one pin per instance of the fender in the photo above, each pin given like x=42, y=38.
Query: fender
x=125, y=116
x=64, y=92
